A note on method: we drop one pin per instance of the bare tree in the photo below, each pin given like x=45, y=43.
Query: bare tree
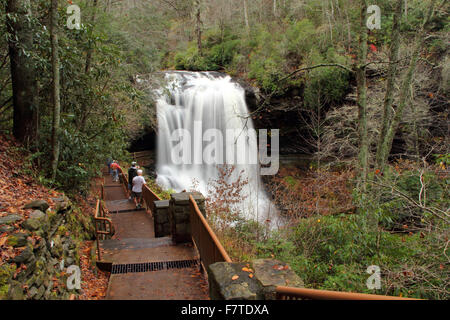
x=55, y=87
x=362, y=94
x=390, y=125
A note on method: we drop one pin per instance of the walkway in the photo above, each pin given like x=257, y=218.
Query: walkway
x=145, y=267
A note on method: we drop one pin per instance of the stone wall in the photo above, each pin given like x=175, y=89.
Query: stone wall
x=161, y=218
x=48, y=241
x=179, y=215
x=256, y=280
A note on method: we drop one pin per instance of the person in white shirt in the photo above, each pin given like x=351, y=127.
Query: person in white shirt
x=138, y=183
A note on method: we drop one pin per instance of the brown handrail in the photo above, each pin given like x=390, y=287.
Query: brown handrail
x=124, y=180
x=206, y=241
x=288, y=293
x=149, y=198
x=141, y=154
x=103, y=221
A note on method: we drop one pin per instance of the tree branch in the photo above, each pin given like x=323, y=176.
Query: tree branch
x=315, y=67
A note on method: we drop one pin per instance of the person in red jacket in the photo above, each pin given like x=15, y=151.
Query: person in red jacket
x=115, y=168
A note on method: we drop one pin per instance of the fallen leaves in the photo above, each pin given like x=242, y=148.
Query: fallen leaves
x=3, y=239
x=17, y=188
x=94, y=282
x=280, y=268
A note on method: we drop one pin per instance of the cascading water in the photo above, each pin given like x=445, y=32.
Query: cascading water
x=203, y=120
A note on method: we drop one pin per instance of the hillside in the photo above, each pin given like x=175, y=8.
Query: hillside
x=39, y=229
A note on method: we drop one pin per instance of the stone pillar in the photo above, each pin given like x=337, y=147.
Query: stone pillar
x=161, y=218
x=179, y=215
x=250, y=281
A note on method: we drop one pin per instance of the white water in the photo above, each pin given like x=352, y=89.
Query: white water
x=219, y=103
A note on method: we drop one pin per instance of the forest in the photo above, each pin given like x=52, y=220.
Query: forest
x=362, y=112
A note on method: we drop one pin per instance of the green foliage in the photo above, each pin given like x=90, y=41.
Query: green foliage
x=299, y=37
x=219, y=48
x=443, y=159
x=333, y=253
x=327, y=85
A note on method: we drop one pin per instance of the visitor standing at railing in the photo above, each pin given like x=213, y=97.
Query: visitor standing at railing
x=132, y=173
x=115, y=168
x=138, y=183
x=109, y=162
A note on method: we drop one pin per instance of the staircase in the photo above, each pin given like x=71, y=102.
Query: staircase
x=144, y=267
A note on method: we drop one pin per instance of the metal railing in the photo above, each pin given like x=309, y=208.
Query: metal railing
x=206, y=241
x=124, y=180
x=288, y=293
x=141, y=154
x=103, y=225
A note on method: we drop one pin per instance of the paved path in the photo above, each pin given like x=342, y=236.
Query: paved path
x=145, y=267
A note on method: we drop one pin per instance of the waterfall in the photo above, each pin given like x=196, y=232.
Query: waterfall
x=204, y=120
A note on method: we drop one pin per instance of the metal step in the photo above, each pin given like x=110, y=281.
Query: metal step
x=152, y=266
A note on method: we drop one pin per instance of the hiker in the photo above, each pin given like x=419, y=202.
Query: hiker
x=115, y=168
x=132, y=173
x=109, y=162
x=138, y=183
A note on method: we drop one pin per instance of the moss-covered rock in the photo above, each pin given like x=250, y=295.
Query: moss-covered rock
x=9, y=219
x=6, y=273
x=37, y=205
x=16, y=291
x=17, y=240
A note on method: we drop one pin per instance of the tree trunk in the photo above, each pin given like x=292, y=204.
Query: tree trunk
x=56, y=86
x=391, y=77
x=362, y=95
x=23, y=78
x=90, y=49
x=199, y=23
x=247, y=24
x=386, y=143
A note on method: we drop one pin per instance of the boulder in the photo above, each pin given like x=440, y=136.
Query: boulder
x=24, y=256
x=37, y=214
x=62, y=205
x=9, y=219
x=38, y=220
x=37, y=205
